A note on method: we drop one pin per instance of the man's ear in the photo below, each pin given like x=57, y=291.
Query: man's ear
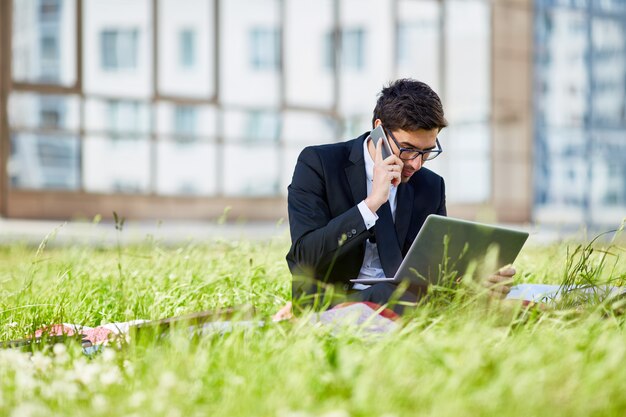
x=377, y=123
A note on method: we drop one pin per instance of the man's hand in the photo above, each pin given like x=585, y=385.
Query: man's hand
x=499, y=284
x=285, y=313
x=386, y=173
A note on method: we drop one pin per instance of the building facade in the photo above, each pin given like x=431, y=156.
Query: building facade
x=186, y=108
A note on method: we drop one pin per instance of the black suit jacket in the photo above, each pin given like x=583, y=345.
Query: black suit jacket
x=328, y=183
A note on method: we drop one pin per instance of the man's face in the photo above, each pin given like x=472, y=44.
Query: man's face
x=420, y=140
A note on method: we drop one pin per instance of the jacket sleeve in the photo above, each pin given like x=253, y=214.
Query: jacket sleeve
x=317, y=237
x=442, y=211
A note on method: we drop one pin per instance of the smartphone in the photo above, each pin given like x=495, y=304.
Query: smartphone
x=379, y=134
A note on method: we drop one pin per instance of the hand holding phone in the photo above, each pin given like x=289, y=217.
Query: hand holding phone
x=387, y=170
x=379, y=134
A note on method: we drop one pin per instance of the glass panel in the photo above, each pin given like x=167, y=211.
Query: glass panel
x=357, y=125
x=29, y=110
x=467, y=60
x=565, y=3
x=610, y=5
x=186, y=48
x=251, y=126
x=44, y=162
x=562, y=87
x=186, y=167
x=185, y=120
x=366, y=55
x=609, y=72
x=265, y=49
x=418, y=41
x=117, y=116
x=44, y=41
x=353, y=43
x=116, y=165
x=608, y=162
x=249, y=52
x=117, y=47
x=309, y=81
x=561, y=173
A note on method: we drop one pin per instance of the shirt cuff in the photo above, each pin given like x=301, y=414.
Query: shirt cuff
x=369, y=218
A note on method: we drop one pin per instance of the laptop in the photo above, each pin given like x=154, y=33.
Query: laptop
x=446, y=247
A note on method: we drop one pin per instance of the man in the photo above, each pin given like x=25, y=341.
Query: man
x=354, y=214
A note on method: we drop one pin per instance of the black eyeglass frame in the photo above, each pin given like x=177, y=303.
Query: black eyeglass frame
x=418, y=152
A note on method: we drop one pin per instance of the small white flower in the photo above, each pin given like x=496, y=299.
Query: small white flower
x=167, y=381
x=41, y=362
x=108, y=355
x=25, y=381
x=28, y=410
x=13, y=358
x=110, y=377
x=12, y=324
x=86, y=374
x=129, y=368
x=59, y=349
x=136, y=399
x=60, y=354
x=99, y=403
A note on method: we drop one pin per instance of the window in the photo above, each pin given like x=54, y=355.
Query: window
x=185, y=120
x=44, y=161
x=352, y=50
x=51, y=112
x=49, y=10
x=49, y=48
x=119, y=49
x=330, y=52
x=403, y=37
x=265, y=49
x=50, y=65
x=123, y=116
x=262, y=126
x=187, y=48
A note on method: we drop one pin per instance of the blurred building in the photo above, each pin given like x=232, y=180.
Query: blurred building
x=181, y=108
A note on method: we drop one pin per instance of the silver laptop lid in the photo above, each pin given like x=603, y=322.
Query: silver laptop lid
x=450, y=245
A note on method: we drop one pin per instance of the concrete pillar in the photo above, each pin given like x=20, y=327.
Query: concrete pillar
x=512, y=109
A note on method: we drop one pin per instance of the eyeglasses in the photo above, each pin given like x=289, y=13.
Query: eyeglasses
x=409, y=154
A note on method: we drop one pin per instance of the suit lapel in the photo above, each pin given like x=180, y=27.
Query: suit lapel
x=404, y=209
x=355, y=171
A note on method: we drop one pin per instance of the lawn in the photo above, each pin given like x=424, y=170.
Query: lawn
x=455, y=356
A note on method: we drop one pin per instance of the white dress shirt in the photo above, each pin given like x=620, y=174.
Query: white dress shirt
x=371, y=267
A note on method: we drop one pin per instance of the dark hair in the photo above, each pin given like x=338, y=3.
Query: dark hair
x=409, y=105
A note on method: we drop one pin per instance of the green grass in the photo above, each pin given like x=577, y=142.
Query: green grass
x=453, y=357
